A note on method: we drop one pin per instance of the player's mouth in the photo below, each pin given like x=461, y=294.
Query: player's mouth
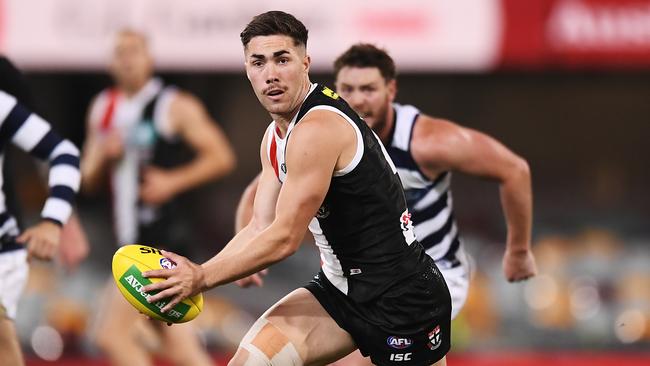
x=274, y=93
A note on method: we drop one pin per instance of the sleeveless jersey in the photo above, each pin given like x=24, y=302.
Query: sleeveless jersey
x=142, y=121
x=363, y=228
x=429, y=201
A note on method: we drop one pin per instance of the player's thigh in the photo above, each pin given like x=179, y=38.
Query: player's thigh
x=10, y=353
x=299, y=323
x=115, y=316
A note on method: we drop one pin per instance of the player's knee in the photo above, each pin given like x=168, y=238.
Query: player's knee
x=266, y=345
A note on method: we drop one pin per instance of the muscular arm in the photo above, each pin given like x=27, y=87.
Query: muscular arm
x=93, y=158
x=441, y=145
x=312, y=156
x=214, y=155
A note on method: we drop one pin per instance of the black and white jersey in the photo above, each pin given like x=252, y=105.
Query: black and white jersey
x=142, y=120
x=34, y=135
x=363, y=228
x=429, y=201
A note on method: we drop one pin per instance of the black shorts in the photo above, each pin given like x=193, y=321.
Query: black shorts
x=423, y=298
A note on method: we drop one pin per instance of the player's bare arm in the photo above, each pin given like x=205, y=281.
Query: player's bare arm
x=214, y=155
x=440, y=145
x=311, y=158
x=100, y=149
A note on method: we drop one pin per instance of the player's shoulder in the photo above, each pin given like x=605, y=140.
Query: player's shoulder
x=433, y=136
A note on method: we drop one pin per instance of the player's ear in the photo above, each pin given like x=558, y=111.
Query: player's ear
x=392, y=89
x=306, y=61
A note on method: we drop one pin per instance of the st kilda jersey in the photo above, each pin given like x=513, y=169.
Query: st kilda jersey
x=363, y=228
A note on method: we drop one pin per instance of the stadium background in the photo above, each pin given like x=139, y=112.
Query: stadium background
x=564, y=83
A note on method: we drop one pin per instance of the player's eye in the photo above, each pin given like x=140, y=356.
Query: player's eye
x=283, y=61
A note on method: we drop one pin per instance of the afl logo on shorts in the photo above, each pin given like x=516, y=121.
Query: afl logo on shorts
x=167, y=263
x=399, y=342
x=323, y=212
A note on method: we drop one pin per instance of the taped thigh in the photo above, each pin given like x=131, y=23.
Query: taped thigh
x=268, y=346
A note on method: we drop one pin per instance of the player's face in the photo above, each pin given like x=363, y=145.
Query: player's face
x=367, y=92
x=131, y=65
x=278, y=71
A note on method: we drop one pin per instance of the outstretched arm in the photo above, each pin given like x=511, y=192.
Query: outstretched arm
x=311, y=158
x=440, y=145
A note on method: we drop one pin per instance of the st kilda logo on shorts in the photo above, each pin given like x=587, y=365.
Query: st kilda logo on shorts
x=323, y=212
x=434, y=338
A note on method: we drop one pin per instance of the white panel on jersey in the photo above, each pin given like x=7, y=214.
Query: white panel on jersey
x=359, y=152
x=8, y=226
x=64, y=147
x=7, y=103
x=412, y=179
x=403, y=125
x=125, y=198
x=31, y=132
x=386, y=156
x=331, y=264
x=437, y=251
x=2, y=196
x=65, y=175
x=57, y=209
x=435, y=223
x=434, y=194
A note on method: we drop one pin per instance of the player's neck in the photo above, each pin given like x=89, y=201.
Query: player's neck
x=383, y=130
x=283, y=120
x=132, y=89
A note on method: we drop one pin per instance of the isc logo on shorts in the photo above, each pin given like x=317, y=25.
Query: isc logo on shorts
x=399, y=342
x=167, y=263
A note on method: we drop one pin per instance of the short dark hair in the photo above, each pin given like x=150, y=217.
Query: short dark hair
x=275, y=23
x=367, y=55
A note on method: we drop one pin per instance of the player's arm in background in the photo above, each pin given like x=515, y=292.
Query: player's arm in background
x=315, y=148
x=214, y=155
x=102, y=147
x=35, y=136
x=440, y=145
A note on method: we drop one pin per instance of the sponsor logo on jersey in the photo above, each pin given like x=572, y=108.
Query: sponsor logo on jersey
x=434, y=338
x=355, y=271
x=330, y=93
x=407, y=227
x=283, y=167
x=399, y=342
x=167, y=263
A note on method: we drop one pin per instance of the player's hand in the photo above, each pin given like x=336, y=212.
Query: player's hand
x=519, y=265
x=112, y=145
x=256, y=279
x=42, y=240
x=158, y=186
x=181, y=282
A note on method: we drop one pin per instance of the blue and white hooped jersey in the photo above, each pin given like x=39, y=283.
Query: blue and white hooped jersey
x=429, y=201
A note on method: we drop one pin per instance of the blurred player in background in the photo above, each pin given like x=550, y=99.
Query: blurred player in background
x=154, y=142
x=26, y=130
x=323, y=169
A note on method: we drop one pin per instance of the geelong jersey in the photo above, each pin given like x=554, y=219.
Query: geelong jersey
x=363, y=228
x=31, y=133
x=142, y=121
x=430, y=202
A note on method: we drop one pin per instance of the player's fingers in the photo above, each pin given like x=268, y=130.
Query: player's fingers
x=178, y=298
x=264, y=272
x=257, y=280
x=158, y=286
x=169, y=292
x=24, y=237
x=173, y=256
x=159, y=273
